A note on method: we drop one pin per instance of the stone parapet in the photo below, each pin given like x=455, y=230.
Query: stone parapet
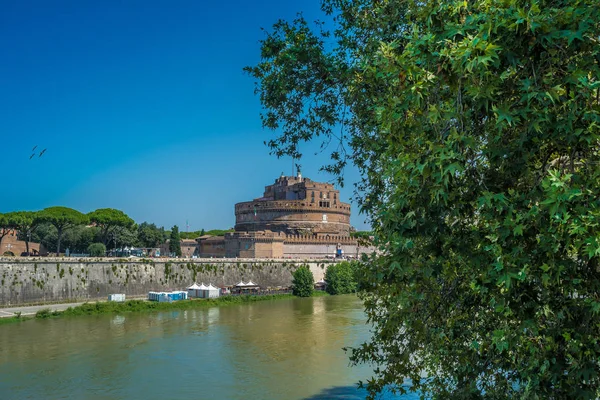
x=60, y=279
x=311, y=239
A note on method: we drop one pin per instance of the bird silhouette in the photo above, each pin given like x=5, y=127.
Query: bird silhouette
x=34, y=147
x=31, y=156
x=42, y=152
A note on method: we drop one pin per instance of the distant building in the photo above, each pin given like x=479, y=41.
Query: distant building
x=11, y=245
x=295, y=218
x=189, y=248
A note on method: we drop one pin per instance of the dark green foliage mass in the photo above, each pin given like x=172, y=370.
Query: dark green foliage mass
x=202, y=232
x=303, y=282
x=5, y=226
x=476, y=127
x=24, y=223
x=108, y=220
x=97, y=250
x=63, y=219
x=109, y=226
x=341, y=278
x=175, y=241
x=150, y=235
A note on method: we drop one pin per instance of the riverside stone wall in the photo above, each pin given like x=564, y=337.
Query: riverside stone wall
x=46, y=280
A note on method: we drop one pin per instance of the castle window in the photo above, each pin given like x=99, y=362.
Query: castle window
x=324, y=203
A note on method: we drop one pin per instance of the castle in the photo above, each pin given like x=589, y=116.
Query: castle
x=295, y=218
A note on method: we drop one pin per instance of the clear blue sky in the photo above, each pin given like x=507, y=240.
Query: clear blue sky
x=142, y=105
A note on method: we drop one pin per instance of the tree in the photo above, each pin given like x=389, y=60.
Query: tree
x=97, y=250
x=108, y=219
x=63, y=219
x=5, y=226
x=25, y=223
x=175, y=241
x=303, y=282
x=149, y=235
x=475, y=128
x=341, y=278
x=121, y=236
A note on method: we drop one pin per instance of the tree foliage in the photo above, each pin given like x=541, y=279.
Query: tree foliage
x=341, y=278
x=25, y=223
x=175, y=242
x=475, y=126
x=120, y=237
x=108, y=219
x=202, y=232
x=303, y=282
x=63, y=219
x=5, y=226
x=150, y=235
x=97, y=250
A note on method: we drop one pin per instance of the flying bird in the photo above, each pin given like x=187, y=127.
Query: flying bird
x=42, y=152
x=31, y=156
x=34, y=147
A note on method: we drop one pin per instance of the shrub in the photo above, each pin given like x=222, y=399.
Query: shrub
x=97, y=250
x=43, y=314
x=303, y=282
x=341, y=278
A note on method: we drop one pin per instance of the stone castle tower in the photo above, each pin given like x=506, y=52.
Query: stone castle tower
x=294, y=205
x=295, y=218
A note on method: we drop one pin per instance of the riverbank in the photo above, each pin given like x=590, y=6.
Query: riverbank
x=140, y=306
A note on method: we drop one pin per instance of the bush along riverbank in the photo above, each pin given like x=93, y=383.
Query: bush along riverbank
x=112, y=307
x=129, y=306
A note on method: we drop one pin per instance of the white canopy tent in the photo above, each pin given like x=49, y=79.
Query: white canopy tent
x=211, y=292
x=196, y=290
x=193, y=290
x=246, y=287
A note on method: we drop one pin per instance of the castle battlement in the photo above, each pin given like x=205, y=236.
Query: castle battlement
x=295, y=205
x=295, y=218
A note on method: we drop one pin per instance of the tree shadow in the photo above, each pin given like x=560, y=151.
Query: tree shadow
x=354, y=393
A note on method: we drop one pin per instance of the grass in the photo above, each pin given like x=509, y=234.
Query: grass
x=12, y=320
x=145, y=306
x=138, y=306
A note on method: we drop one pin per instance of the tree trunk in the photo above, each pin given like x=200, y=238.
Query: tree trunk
x=27, y=245
x=104, y=234
x=59, y=236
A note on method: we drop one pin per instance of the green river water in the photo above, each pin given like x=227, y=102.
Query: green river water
x=281, y=349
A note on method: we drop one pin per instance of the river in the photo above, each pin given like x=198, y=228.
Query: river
x=280, y=349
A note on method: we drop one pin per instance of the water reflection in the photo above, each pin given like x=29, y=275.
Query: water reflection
x=283, y=349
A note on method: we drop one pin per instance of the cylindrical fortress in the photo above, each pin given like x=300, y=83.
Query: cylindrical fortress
x=295, y=205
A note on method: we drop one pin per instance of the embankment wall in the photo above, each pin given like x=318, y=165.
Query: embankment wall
x=48, y=280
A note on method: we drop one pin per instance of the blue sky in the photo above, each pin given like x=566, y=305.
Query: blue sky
x=142, y=105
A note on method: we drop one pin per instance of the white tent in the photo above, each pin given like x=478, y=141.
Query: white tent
x=194, y=290
x=202, y=290
x=211, y=292
x=241, y=284
x=250, y=283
